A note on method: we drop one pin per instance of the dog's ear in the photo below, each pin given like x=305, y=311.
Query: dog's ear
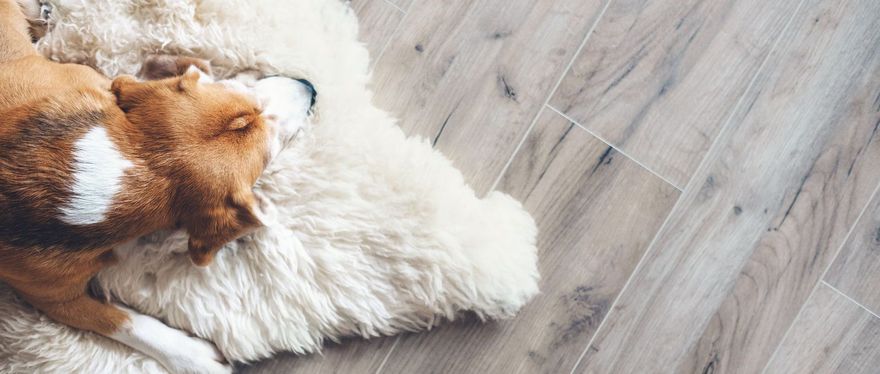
x=125, y=89
x=189, y=80
x=121, y=83
x=215, y=226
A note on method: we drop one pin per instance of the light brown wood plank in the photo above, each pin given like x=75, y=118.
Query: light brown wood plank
x=352, y=356
x=767, y=211
x=856, y=271
x=471, y=76
x=832, y=335
x=596, y=211
x=378, y=21
x=658, y=79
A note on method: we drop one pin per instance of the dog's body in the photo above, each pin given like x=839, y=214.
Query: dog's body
x=87, y=163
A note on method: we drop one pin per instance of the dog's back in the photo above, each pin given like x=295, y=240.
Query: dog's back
x=38, y=175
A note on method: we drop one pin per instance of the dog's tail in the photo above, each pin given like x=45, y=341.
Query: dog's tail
x=15, y=39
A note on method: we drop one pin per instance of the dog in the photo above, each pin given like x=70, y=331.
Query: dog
x=88, y=163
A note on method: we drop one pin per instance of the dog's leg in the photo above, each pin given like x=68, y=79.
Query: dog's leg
x=57, y=285
x=176, y=350
x=15, y=40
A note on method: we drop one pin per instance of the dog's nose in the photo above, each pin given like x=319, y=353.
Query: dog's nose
x=311, y=89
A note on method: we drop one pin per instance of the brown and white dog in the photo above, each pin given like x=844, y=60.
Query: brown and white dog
x=87, y=163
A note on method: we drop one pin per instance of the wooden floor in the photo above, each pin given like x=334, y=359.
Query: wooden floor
x=704, y=174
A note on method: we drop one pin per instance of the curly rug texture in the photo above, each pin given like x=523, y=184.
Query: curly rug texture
x=371, y=233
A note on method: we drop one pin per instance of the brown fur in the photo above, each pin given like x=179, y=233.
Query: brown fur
x=197, y=150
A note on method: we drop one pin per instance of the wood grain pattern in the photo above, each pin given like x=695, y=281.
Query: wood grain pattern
x=832, y=335
x=658, y=79
x=766, y=212
x=751, y=235
x=471, y=76
x=856, y=271
x=350, y=357
x=597, y=211
x=378, y=20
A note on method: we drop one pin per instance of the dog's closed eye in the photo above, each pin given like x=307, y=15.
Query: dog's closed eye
x=239, y=123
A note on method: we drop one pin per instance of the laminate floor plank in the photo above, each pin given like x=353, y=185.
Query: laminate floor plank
x=597, y=212
x=378, y=20
x=402, y=4
x=658, y=79
x=471, y=76
x=856, y=271
x=765, y=213
x=832, y=335
x=352, y=356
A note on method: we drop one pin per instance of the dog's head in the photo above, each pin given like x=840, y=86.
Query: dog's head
x=211, y=140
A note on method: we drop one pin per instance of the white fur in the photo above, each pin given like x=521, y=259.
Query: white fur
x=176, y=351
x=285, y=104
x=369, y=232
x=98, y=170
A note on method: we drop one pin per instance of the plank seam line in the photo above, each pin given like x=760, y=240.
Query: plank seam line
x=639, y=265
x=388, y=355
x=388, y=42
x=849, y=298
x=395, y=6
x=552, y=93
x=725, y=129
x=618, y=150
x=822, y=278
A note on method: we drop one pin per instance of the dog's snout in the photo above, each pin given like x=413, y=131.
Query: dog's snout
x=288, y=100
x=310, y=89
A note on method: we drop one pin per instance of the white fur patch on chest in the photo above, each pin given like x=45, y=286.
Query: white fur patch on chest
x=98, y=169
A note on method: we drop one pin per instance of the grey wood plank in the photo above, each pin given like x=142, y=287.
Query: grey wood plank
x=832, y=335
x=471, y=76
x=856, y=271
x=766, y=212
x=658, y=79
x=378, y=21
x=596, y=211
x=402, y=4
x=352, y=356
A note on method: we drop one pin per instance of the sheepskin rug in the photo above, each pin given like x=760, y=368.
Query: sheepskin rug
x=371, y=233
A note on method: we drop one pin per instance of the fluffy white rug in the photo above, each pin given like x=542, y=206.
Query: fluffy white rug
x=373, y=233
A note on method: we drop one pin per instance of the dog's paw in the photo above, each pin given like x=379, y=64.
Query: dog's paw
x=192, y=355
x=176, y=350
